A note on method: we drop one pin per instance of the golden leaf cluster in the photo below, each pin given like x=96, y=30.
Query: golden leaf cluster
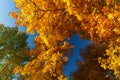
x=55, y=20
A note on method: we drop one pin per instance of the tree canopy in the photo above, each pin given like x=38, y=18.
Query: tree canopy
x=13, y=48
x=89, y=68
x=55, y=20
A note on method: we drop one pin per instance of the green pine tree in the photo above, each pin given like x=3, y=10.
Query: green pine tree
x=13, y=47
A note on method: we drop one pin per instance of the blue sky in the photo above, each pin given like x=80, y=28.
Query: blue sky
x=76, y=41
x=7, y=6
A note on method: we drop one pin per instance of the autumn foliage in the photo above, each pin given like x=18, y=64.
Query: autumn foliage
x=89, y=68
x=55, y=20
